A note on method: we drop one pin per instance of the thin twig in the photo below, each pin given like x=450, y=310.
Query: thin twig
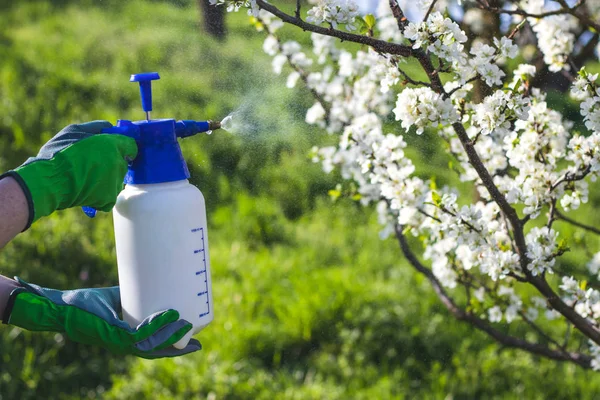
x=551, y=213
x=516, y=29
x=408, y=79
x=429, y=10
x=571, y=177
x=425, y=213
x=517, y=277
x=396, y=64
x=561, y=217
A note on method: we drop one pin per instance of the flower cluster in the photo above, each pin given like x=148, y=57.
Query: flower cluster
x=515, y=305
x=542, y=249
x=586, y=90
x=467, y=238
x=444, y=38
x=441, y=36
x=235, y=5
x=595, y=353
x=497, y=113
x=555, y=39
x=585, y=302
x=334, y=12
x=423, y=107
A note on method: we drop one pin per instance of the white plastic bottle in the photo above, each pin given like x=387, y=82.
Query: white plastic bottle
x=160, y=223
x=162, y=253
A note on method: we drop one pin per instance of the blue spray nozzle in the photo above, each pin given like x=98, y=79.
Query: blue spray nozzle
x=187, y=128
x=145, y=80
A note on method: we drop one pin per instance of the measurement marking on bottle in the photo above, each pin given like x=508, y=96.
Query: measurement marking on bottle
x=204, y=292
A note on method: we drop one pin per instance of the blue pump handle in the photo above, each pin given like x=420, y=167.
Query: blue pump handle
x=145, y=80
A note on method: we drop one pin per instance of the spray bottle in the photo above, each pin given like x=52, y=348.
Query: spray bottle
x=160, y=223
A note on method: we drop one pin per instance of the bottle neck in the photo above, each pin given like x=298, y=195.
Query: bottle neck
x=159, y=158
x=158, y=186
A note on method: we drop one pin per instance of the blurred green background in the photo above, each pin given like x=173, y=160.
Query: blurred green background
x=310, y=304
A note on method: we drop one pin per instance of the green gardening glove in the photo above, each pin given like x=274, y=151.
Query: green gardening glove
x=90, y=316
x=77, y=167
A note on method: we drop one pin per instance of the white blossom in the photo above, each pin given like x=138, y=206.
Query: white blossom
x=495, y=314
x=334, y=12
x=541, y=249
x=593, y=265
x=423, y=107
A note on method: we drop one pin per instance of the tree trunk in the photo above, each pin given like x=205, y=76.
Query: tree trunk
x=213, y=19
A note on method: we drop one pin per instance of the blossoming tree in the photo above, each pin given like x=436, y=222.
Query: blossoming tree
x=493, y=254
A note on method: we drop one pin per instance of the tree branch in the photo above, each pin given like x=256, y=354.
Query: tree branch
x=399, y=15
x=560, y=216
x=429, y=10
x=380, y=45
x=572, y=177
x=584, y=19
x=460, y=314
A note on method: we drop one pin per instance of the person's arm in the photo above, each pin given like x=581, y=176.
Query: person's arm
x=14, y=211
x=79, y=166
x=7, y=286
x=14, y=214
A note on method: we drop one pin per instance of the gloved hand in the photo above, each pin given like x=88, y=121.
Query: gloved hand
x=77, y=167
x=90, y=316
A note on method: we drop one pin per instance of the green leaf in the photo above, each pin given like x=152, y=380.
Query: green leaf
x=563, y=246
x=334, y=194
x=370, y=20
x=437, y=199
x=361, y=25
x=255, y=22
x=432, y=183
x=518, y=85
